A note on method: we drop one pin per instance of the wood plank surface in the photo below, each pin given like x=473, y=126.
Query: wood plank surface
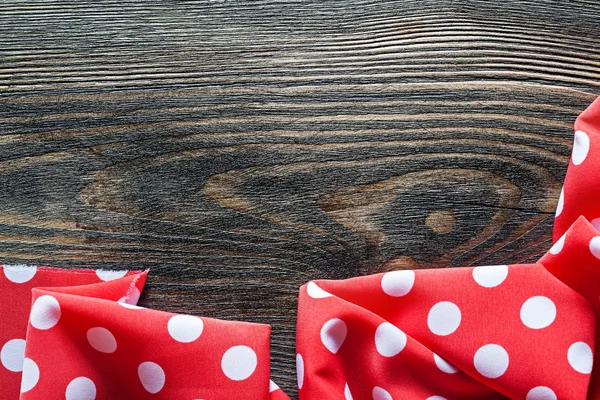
x=241, y=148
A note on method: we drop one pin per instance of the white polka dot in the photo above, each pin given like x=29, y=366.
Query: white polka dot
x=490, y=276
x=580, y=357
x=443, y=318
x=581, y=147
x=300, y=370
x=45, y=312
x=102, y=340
x=12, y=355
x=436, y=398
x=444, y=365
x=333, y=334
x=596, y=223
x=19, y=273
x=347, y=394
x=389, y=340
x=398, y=283
x=81, y=388
x=316, y=292
x=132, y=298
x=151, y=376
x=541, y=393
x=491, y=361
x=538, y=312
x=109, y=275
x=558, y=246
x=272, y=386
x=239, y=362
x=381, y=394
x=185, y=328
x=561, y=203
x=595, y=246
x=31, y=375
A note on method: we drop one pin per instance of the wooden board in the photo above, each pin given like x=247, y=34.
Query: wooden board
x=241, y=148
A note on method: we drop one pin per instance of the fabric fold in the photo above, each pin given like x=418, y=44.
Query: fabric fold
x=463, y=333
x=122, y=351
x=581, y=189
x=16, y=283
x=90, y=341
x=575, y=260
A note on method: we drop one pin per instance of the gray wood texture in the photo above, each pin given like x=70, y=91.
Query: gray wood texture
x=241, y=148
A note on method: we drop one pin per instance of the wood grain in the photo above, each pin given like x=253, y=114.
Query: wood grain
x=239, y=149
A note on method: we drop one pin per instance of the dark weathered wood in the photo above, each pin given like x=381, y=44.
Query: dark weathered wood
x=241, y=148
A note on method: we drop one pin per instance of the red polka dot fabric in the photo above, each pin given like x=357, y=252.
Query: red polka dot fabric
x=90, y=341
x=491, y=332
x=581, y=190
x=462, y=333
x=16, y=283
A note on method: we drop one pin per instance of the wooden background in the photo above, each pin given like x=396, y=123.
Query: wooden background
x=241, y=148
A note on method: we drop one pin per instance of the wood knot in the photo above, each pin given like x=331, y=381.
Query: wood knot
x=442, y=221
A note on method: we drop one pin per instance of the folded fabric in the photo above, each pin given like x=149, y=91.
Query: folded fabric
x=16, y=283
x=91, y=342
x=581, y=190
x=491, y=332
